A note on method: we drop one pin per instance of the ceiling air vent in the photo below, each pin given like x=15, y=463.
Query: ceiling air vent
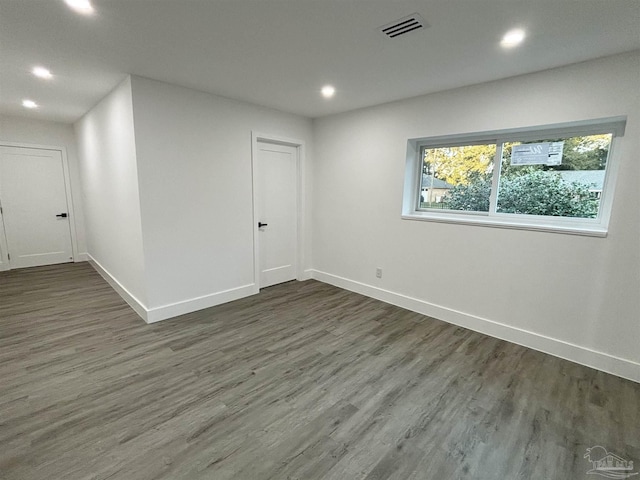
x=403, y=26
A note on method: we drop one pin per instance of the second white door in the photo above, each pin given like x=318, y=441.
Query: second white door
x=276, y=208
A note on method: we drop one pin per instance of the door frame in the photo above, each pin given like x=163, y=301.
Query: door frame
x=4, y=259
x=299, y=145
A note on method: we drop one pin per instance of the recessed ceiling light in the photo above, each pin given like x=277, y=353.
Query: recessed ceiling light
x=41, y=72
x=512, y=38
x=328, y=91
x=80, y=6
x=29, y=104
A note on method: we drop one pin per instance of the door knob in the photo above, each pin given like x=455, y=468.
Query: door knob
x=62, y=215
x=260, y=224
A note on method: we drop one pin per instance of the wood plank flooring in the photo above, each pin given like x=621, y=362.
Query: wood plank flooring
x=303, y=381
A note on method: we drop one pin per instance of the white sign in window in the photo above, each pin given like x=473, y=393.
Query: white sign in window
x=545, y=153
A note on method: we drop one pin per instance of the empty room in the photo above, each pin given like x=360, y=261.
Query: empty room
x=319, y=239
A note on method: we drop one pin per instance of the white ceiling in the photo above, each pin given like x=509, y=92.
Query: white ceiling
x=278, y=53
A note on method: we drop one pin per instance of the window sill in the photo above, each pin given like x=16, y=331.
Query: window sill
x=516, y=222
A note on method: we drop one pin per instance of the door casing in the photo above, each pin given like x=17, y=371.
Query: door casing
x=300, y=203
x=4, y=259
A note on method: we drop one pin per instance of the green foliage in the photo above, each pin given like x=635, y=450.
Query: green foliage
x=458, y=165
x=585, y=153
x=545, y=193
x=535, y=193
x=530, y=189
x=473, y=196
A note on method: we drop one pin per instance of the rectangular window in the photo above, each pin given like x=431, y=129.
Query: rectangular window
x=544, y=178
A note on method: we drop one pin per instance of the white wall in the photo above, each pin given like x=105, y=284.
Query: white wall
x=194, y=166
x=51, y=134
x=577, y=297
x=106, y=147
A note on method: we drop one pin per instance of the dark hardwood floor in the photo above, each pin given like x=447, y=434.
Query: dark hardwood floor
x=303, y=381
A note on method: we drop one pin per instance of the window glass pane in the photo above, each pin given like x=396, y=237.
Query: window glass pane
x=560, y=177
x=457, y=178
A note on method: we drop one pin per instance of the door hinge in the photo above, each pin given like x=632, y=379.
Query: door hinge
x=8, y=256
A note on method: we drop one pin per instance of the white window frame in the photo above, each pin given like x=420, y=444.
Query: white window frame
x=578, y=226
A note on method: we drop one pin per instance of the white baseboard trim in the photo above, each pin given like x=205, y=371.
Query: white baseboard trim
x=306, y=275
x=133, y=302
x=81, y=257
x=171, y=310
x=559, y=348
x=164, y=312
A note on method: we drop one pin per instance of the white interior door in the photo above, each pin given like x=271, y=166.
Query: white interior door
x=276, y=197
x=34, y=207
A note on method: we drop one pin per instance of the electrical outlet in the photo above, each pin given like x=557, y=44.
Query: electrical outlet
x=379, y=272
